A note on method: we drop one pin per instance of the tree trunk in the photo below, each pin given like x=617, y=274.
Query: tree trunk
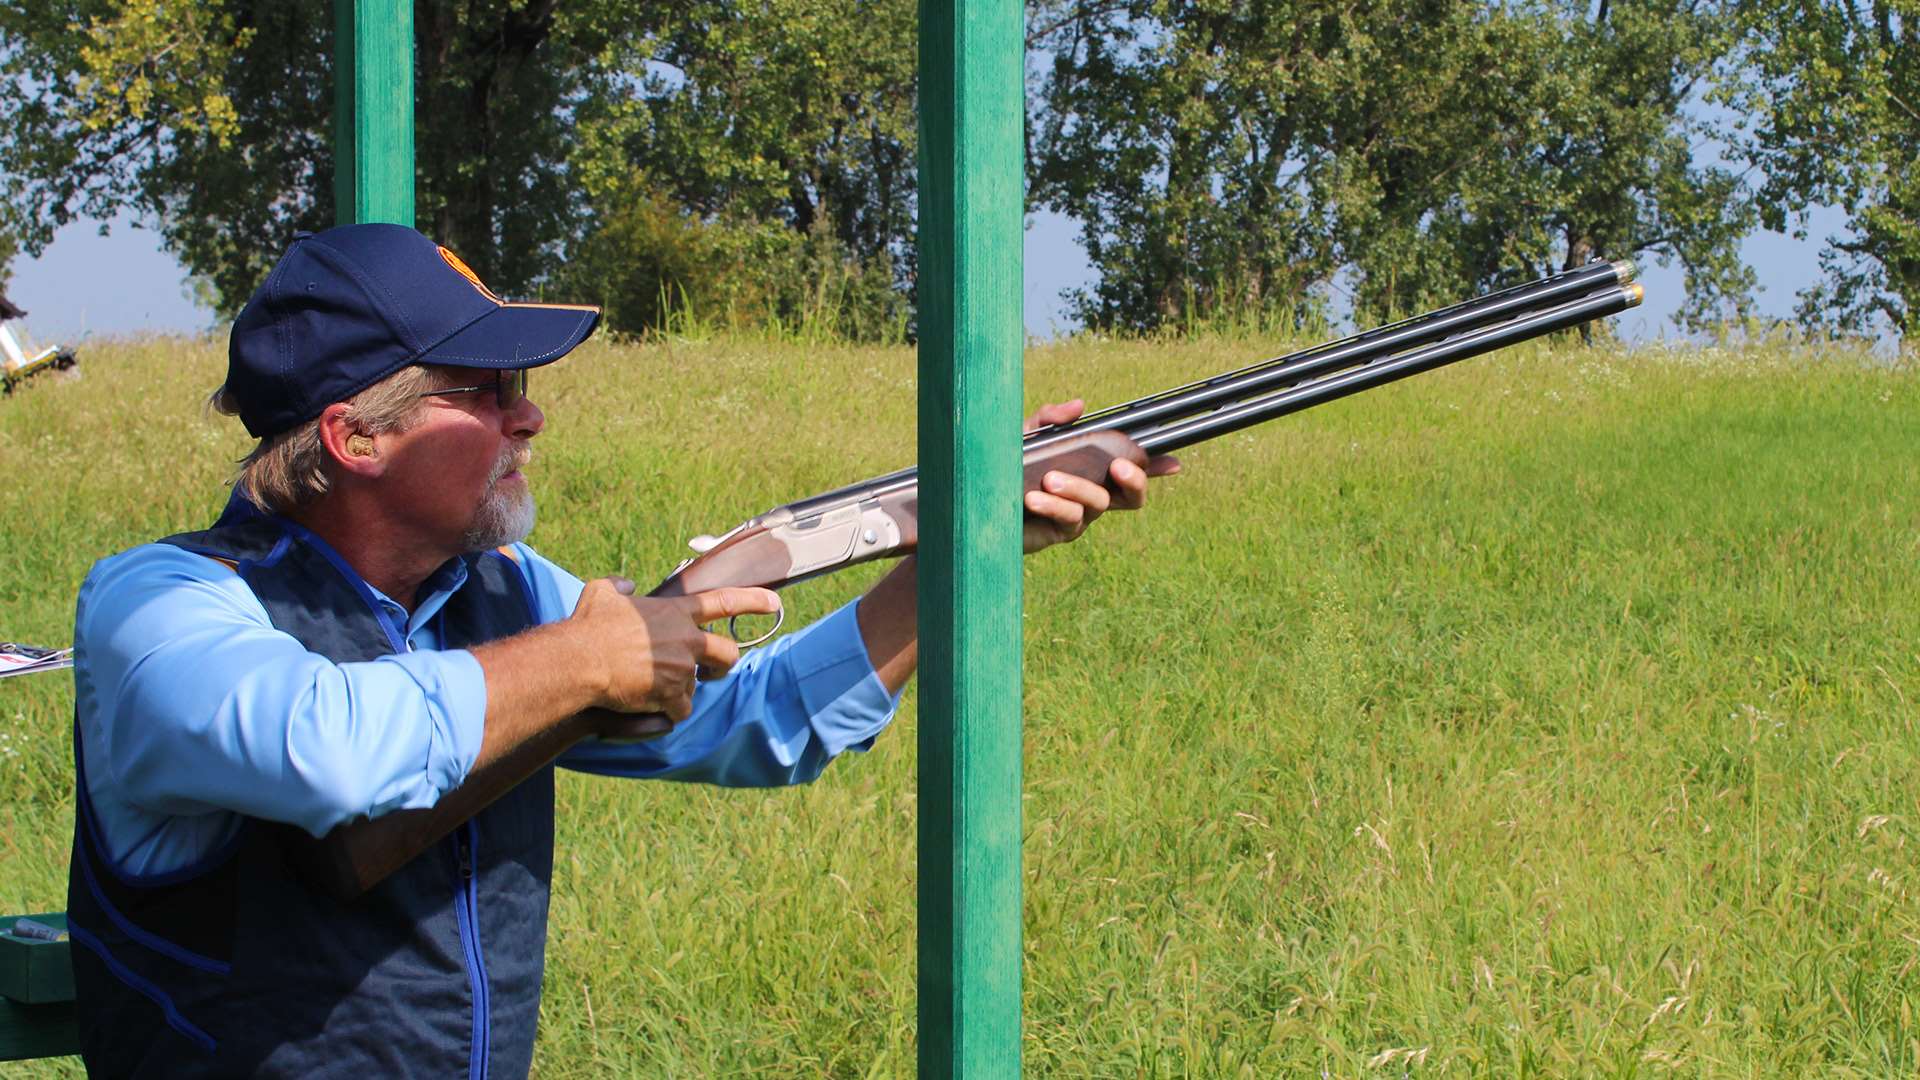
x=1579, y=254
x=465, y=69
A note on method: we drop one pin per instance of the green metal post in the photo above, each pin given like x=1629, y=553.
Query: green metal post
x=971, y=201
x=373, y=111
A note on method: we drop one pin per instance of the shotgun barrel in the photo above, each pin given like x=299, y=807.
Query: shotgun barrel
x=1246, y=412
x=1358, y=348
x=1510, y=311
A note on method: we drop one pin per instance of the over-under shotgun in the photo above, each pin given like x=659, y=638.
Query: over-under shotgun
x=879, y=518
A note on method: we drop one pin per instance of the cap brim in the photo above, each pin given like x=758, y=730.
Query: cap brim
x=516, y=336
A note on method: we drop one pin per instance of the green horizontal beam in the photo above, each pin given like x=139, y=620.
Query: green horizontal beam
x=37, y=1017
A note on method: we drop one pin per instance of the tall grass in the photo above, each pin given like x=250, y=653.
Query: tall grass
x=1549, y=715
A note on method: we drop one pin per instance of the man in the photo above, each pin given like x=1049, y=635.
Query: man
x=357, y=636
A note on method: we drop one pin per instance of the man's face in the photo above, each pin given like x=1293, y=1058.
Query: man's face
x=455, y=475
x=506, y=513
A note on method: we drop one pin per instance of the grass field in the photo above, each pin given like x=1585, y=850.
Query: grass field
x=1550, y=715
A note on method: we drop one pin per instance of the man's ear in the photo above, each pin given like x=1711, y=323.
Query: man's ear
x=352, y=451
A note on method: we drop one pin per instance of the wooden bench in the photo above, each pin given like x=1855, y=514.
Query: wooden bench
x=36, y=992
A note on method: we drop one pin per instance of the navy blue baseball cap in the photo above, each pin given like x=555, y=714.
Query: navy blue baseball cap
x=347, y=307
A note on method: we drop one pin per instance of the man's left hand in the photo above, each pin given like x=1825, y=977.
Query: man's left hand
x=1066, y=504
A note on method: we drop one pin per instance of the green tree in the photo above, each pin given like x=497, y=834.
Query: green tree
x=655, y=265
x=9, y=247
x=211, y=121
x=731, y=143
x=1182, y=136
x=799, y=112
x=1549, y=136
x=1244, y=157
x=1835, y=104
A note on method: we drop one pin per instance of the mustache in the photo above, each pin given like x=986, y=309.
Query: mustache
x=517, y=456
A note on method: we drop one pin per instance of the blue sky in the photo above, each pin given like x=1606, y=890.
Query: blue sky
x=89, y=285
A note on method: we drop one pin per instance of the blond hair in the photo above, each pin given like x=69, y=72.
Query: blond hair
x=291, y=469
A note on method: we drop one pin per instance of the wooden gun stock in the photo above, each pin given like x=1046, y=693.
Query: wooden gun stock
x=360, y=854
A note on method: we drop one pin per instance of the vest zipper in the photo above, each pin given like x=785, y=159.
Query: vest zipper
x=466, y=909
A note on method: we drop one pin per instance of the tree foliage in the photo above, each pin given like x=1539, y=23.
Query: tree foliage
x=1177, y=134
x=1563, y=136
x=1238, y=160
x=756, y=160
x=212, y=120
x=1836, y=108
x=1247, y=155
x=799, y=111
x=549, y=137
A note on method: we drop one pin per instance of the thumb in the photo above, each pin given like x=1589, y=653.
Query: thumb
x=623, y=586
x=1059, y=412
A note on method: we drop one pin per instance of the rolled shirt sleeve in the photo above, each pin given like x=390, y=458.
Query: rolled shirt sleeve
x=193, y=709
x=784, y=711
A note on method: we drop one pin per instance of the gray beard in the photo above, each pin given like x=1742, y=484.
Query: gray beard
x=503, y=517
x=501, y=520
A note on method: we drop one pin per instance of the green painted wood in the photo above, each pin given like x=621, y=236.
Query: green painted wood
x=35, y=972
x=36, y=993
x=373, y=111
x=971, y=202
x=37, y=1031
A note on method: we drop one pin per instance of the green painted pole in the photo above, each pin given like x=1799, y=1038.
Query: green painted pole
x=373, y=111
x=971, y=201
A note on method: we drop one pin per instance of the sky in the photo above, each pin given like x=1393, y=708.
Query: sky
x=92, y=285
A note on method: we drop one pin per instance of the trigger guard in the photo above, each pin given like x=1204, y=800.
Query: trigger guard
x=779, y=620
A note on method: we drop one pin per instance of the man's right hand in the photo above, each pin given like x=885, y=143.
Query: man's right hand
x=612, y=669
x=652, y=651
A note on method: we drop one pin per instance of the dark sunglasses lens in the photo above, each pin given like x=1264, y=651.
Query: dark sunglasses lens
x=512, y=387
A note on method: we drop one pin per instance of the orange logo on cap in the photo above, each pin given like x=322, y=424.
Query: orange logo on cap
x=467, y=272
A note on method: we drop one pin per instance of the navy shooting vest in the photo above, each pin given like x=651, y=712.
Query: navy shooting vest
x=236, y=966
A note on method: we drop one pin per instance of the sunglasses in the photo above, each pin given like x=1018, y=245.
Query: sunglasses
x=509, y=388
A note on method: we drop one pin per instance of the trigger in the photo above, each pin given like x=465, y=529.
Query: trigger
x=703, y=543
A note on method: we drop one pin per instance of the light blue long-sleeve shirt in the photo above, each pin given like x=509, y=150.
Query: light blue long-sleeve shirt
x=194, y=710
